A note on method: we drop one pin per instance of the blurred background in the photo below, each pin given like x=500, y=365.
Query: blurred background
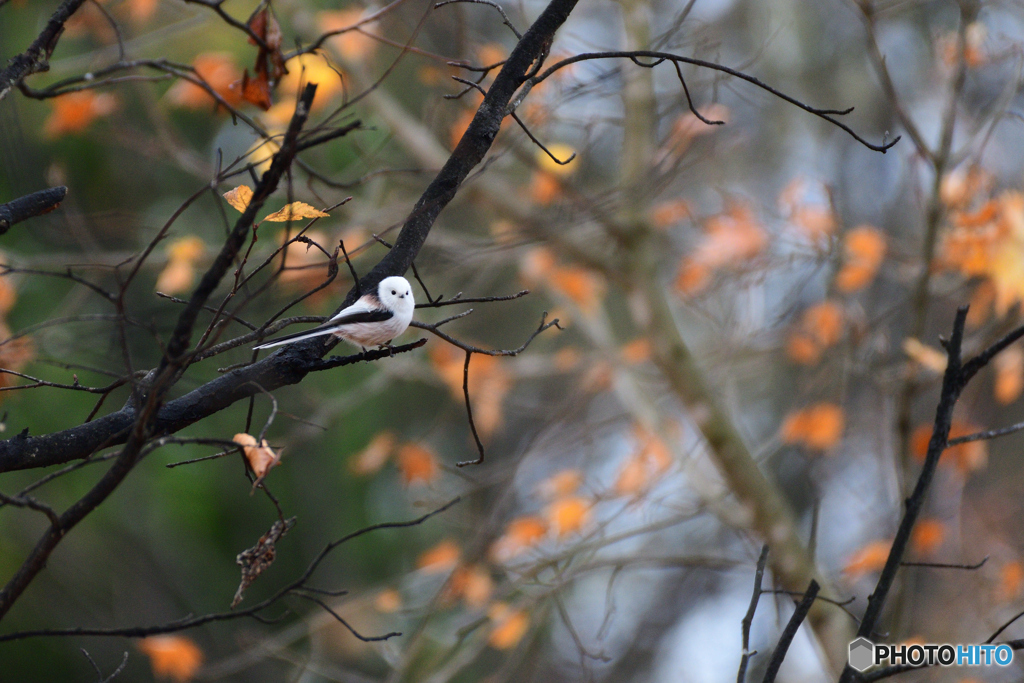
x=768, y=286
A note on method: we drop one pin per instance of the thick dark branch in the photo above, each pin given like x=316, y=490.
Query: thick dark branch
x=34, y=58
x=952, y=384
x=802, y=608
x=30, y=206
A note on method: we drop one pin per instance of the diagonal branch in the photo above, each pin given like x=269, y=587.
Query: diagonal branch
x=33, y=60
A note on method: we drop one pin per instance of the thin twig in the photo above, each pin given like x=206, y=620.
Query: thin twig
x=748, y=618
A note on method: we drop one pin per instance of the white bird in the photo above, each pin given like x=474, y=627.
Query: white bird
x=373, y=320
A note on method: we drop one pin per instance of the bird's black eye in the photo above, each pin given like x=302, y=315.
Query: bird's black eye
x=394, y=292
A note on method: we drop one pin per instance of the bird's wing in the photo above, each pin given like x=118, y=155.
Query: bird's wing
x=363, y=304
x=349, y=317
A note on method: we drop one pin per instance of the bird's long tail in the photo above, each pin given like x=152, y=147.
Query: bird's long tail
x=299, y=336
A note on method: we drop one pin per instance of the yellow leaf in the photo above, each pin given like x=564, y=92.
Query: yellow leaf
x=509, y=626
x=562, y=153
x=925, y=355
x=174, y=657
x=189, y=248
x=440, y=558
x=239, y=197
x=293, y=211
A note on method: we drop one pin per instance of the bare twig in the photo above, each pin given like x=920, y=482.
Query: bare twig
x=748, y=618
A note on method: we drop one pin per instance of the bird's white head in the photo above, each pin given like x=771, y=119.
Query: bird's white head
x=395, y=293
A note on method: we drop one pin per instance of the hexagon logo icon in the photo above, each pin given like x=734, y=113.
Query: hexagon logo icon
x=862, y=653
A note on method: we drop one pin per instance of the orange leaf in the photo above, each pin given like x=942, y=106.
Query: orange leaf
x=864, y=250
x=544, y=188
x=818, y=427
x=293, y=211
x=174, y=657
x=491, y=53
x=585, y=288
x=1009, y=367
x=74, y=111
x=219, y=71
x=471, y=583
x=927, y=536
x=239, y=197
x=803, y=348
x=967, y=457
x=176, y=277
x=8, y=295
x=637, y=351
x=14, y=355
x=1011, y=581
x=388, y=601
x=568, y=515
x=460, y=125
x=688, y=127
x=561, y=484
x=354, y=44
x=982, y=299
x=669, y=213
x=870, y=558
x=825, y=321
x=960, y=187
x=257, y=90
x=373, y=457
x=815, y=222
x=417, y=464
x=260, y=457
x=439, y=558
x=522, y=533
x=820, y=327
x=509, y=626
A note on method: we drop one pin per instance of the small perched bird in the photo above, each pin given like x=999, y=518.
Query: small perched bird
x=373, y=320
